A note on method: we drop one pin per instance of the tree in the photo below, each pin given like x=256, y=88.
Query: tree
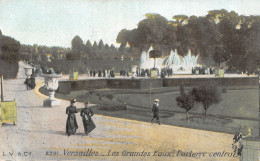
x=207, y=95
x=183, y=40
x=113, y=50
x=9, y=54
x=182, y=34
x=107, y=51
x=44, y=58
x=155, y=54
x=122, y=49
x=202, y=34
x=154, y=28
x=101, y=44
x=9, y=49
x=72, y=56
x=245, y=49
x=228, y=39
x=216, y=15
x=185, y=101
x=180, y=20
x=77, y=44
x=101, y=51
x=151, y=30
x=137, y=39
x=123, y=36
x=170, y=37
x=219, y=37
x=88, y=48
x=95, y=49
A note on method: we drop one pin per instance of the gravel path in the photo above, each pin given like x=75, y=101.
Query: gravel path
x=40, y=135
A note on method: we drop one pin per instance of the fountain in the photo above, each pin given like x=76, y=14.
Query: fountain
x=51, y=84
x=148, y=63
x=179, y=64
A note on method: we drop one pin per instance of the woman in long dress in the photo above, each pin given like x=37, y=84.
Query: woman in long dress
x=86, y=114
x=71, y=125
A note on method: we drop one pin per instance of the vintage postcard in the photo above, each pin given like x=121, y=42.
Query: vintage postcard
x=169, y=80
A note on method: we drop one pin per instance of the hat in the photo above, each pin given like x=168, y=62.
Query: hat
x=156, y=100
x=73, y=100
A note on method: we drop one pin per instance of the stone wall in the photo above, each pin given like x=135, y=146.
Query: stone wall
x=224, y=82
x=114, y=83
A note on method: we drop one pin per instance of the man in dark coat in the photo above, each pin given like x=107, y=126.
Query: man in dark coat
x=86, y=114
x=71, y=125
x=27, y=83
x=155, y=111
x=32, y=82
x=99, y=73
x=112, y=74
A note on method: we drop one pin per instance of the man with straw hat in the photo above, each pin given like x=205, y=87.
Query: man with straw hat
x=155, y=111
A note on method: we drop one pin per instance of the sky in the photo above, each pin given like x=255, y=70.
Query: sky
x=56, y=22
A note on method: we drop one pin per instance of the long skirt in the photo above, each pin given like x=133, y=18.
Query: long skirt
x=88, y=125
x=71, y=125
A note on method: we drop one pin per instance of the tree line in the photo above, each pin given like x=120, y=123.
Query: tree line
x=35, y=53
x=79, y=57
x=218, y=37
x=95, y=50
x=78, y=50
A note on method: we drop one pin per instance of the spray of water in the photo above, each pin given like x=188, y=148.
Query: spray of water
x=177, y=63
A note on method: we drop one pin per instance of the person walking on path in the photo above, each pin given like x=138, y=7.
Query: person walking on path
x=155, y=111
x=32, y=82
x=86, y=114
x=27, y=83
x=71, y=124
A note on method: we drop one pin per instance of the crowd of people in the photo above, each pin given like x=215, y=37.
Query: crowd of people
x=201, y=70
x=102, y=73
x=139, y=72
x=124, y=73
x=143, y=72
x=166, y=72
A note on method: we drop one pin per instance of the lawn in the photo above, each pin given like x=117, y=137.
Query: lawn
x=237, y=111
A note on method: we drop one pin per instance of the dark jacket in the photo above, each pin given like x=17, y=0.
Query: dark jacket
x=88, y=123
x=155, y=109
x=71, y=124
x=32, y=82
